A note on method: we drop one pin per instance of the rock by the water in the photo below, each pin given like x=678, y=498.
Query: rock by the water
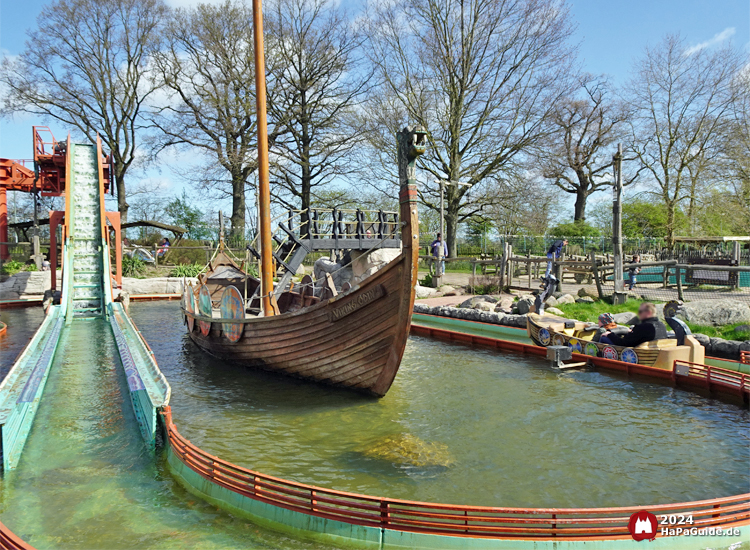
x=566, y=299
x=626, y=318
x=585, y=300
x=155, y=285
x=409, y=450
x=28, y=283
x=714, y=312
x=554, y=311
x=424, y=291
x=742, y=328
x=551, y=301
x=485, y=306
x=727, y=349
x=524, y=304
x=474, y=300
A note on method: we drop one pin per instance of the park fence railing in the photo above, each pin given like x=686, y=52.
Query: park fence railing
x=659, y=280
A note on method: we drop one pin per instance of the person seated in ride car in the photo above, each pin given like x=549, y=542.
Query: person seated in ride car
x=606, y=324
x=650, y=328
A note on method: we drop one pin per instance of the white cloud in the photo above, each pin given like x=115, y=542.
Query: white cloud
x=718, y=38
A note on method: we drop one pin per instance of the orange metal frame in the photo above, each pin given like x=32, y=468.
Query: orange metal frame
x=48, y=175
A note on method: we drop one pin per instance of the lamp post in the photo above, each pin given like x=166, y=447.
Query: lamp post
x=437, y=281
x=619, y=295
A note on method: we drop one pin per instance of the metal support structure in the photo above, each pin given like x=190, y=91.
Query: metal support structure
x=620, y=295
x=4, y=253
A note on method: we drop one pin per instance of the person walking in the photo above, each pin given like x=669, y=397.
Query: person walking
x=553, y=253
x=435, y=247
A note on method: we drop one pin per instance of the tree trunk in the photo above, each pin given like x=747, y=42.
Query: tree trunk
x=670, y=223
x=580, y=206
x=306, y=177
x=451, y=228
x=122, y=202
x=238, y=208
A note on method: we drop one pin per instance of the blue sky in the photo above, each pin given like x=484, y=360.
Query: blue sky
x=610, y=34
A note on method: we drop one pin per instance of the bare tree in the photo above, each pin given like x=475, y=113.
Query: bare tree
x=319, y=79
x=207, y=69
x=681, y=102
x=585, y=128
x=481, y=75
x=87, y=65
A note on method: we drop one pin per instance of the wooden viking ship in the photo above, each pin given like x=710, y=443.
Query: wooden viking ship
x=551, y=330
x=354, y=338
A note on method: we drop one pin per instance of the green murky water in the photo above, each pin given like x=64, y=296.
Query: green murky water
x=459, y=425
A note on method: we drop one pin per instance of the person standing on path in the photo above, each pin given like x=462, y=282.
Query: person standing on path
x=435, y=247
x=553, y=253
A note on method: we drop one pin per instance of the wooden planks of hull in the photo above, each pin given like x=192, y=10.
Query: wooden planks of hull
x=355, y=340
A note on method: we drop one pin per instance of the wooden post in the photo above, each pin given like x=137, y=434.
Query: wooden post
x=678, y=274
x=473, y=274
x=528, y=267
x=156, y=258
x=595, y=270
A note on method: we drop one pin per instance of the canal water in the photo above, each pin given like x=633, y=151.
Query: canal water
x=459, y=425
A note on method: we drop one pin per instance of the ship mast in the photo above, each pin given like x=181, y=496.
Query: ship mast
x=264, y=194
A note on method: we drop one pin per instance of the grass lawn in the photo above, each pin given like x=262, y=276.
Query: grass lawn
x=590, y=312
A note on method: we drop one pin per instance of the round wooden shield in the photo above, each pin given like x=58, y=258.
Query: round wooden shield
x=558, y=340
x=591, y=349
x=232, y=307
x=575, y=345
x=609, y=352
x=190, y=306
x=629, y=355
x=544, y=336
x=204, y=307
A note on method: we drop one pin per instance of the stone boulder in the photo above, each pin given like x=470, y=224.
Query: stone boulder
x=714, y=312
x=424, y=291
x=365, y=264
x=585, y=300
x=588, y=291
x=726, y=349
x=525, y=304
x=566, y=299
x=626, y=318
x=155, y=285
x=485, y=306
x=474, y=300
x=742, y=328
x=409, y=450
x=554, y=311
x=28, y=284
x=551, y=301
x=339, y=273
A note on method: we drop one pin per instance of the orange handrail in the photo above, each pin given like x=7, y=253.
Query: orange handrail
x=9, y=541
x=441, y=519
x=716, y=375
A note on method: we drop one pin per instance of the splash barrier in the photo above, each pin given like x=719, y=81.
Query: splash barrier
x=718, y=381
x=363, y=521
x=9, y=541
